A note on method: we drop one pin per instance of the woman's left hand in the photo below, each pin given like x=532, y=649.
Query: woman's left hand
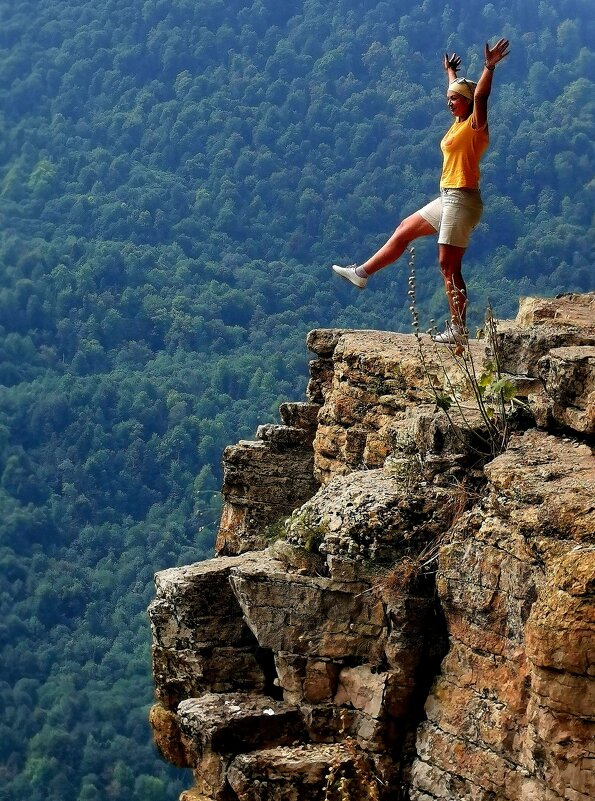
x=496, y=53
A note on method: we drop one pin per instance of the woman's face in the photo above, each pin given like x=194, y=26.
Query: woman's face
x=458, y=104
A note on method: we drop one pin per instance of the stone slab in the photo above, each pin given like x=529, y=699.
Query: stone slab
x=200, y=639
x=565, y=310
x=309, y=615
x=569, y=378
x=229, y=723
x=289, y=774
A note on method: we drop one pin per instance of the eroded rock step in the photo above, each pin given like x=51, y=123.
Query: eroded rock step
x=303, y=773
x=300, y=415
x=309, y=772
x=229, y=723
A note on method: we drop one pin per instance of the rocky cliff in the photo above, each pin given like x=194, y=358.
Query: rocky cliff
x=396, y=612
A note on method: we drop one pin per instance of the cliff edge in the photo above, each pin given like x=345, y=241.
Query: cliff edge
x=402, y=605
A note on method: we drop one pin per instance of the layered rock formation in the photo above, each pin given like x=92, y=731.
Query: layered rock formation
x=394, y=613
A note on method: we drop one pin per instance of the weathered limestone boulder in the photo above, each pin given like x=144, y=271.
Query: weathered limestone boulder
x=521, y=350
x=544, y=486
x=304, y=773
x=301, y=415
x=510, y=715
x=377, y=515
x=543, y=324
x=569, y=378
x=230, y=723
x=201, y=642
x=167, y=736
x=309, y=614
x=323, y=341
x=194, y=795
x=573, y=310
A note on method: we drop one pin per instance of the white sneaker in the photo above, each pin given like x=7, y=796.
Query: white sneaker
x=452, y=335
x=349, y=274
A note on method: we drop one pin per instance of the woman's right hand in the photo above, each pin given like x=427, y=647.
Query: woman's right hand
x=452, y=62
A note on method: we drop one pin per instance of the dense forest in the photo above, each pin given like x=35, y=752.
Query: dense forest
x=176, y=177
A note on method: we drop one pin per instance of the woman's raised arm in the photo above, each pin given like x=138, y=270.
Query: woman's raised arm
x=451, y=64
x=492, y=55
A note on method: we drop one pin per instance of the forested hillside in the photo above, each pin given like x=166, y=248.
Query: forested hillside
x=176, y=177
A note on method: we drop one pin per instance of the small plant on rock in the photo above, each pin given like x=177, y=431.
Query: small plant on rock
x=350, y=776
x=304, y=528
x=275, y=531
x=491, y=393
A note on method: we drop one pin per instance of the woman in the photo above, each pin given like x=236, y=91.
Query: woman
x=457, y=211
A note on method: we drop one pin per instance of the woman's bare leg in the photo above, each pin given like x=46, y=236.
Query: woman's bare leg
x=450, y=259
x=411, y=228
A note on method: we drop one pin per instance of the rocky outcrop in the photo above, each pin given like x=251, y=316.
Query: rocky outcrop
x=377, y=399
x=266, y=479
x=201, y=642
x=401, y=615
x=568, y=375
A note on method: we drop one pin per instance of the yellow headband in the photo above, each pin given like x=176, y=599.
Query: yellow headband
x=462, y=86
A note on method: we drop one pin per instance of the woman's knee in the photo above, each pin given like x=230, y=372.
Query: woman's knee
x=401, y=232
x=450, y=260
x=413, y=227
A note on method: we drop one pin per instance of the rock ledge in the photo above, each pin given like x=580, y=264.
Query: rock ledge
x=393, y=613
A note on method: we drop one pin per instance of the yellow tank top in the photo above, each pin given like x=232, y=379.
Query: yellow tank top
x=462, y=148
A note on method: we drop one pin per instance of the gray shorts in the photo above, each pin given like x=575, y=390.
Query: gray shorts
x=454, y=215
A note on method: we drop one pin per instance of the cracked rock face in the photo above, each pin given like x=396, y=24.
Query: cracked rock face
x=544, y=486
x=294, y=772
x=201, y=642
x=309, y=614
x=264, y=481
x=372, y=390
x=544, y=324
x=577, y=311
x=511, y=712
x=230, y=723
